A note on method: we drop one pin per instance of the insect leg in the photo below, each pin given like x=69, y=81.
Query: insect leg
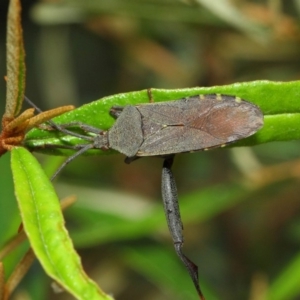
x=171, y=206
x=149, y=92
x=115, y=111
x=61, y=127
x=85, y=127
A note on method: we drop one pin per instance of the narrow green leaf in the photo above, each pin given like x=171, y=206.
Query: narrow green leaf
x=197, y=206
x=182, y=12
x=44, y=225
x=229, y=12
x=286, y=286
x=279, y=101
x=157, y=264
x=9, y=218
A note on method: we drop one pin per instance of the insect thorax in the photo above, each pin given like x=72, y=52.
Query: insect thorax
x=126, y=135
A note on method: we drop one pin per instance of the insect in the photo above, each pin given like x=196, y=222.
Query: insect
x=164, y=129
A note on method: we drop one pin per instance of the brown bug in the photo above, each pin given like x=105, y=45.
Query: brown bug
x=164, y=129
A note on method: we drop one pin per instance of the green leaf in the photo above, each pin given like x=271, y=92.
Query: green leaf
x=227, y=11
x=156, y=264
x=44, y=226
x=279, y=101
x=182, y=12
x=8, y=206
x=92, y=211
x=286, y=286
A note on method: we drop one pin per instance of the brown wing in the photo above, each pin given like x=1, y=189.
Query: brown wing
x=196, y=123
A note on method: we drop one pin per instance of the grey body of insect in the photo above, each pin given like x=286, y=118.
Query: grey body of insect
x=164, y=129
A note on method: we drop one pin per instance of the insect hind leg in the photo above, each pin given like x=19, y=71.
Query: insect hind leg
x=171, y=206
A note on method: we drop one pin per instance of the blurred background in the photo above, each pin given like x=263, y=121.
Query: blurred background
x=240, y=207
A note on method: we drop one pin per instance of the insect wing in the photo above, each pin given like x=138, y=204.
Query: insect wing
x=196, y=123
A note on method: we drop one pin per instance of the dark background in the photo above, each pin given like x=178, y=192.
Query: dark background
x=78, y=56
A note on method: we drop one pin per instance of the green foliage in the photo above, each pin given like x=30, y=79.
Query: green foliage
x=44, y=225
x=241, y=230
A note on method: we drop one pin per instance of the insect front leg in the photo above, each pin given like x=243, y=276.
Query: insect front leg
x=115, y=111
x=171, y=206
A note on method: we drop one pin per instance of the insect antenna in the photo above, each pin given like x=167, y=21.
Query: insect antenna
x=62, y=129
x=69, y=159
x=57, y=126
